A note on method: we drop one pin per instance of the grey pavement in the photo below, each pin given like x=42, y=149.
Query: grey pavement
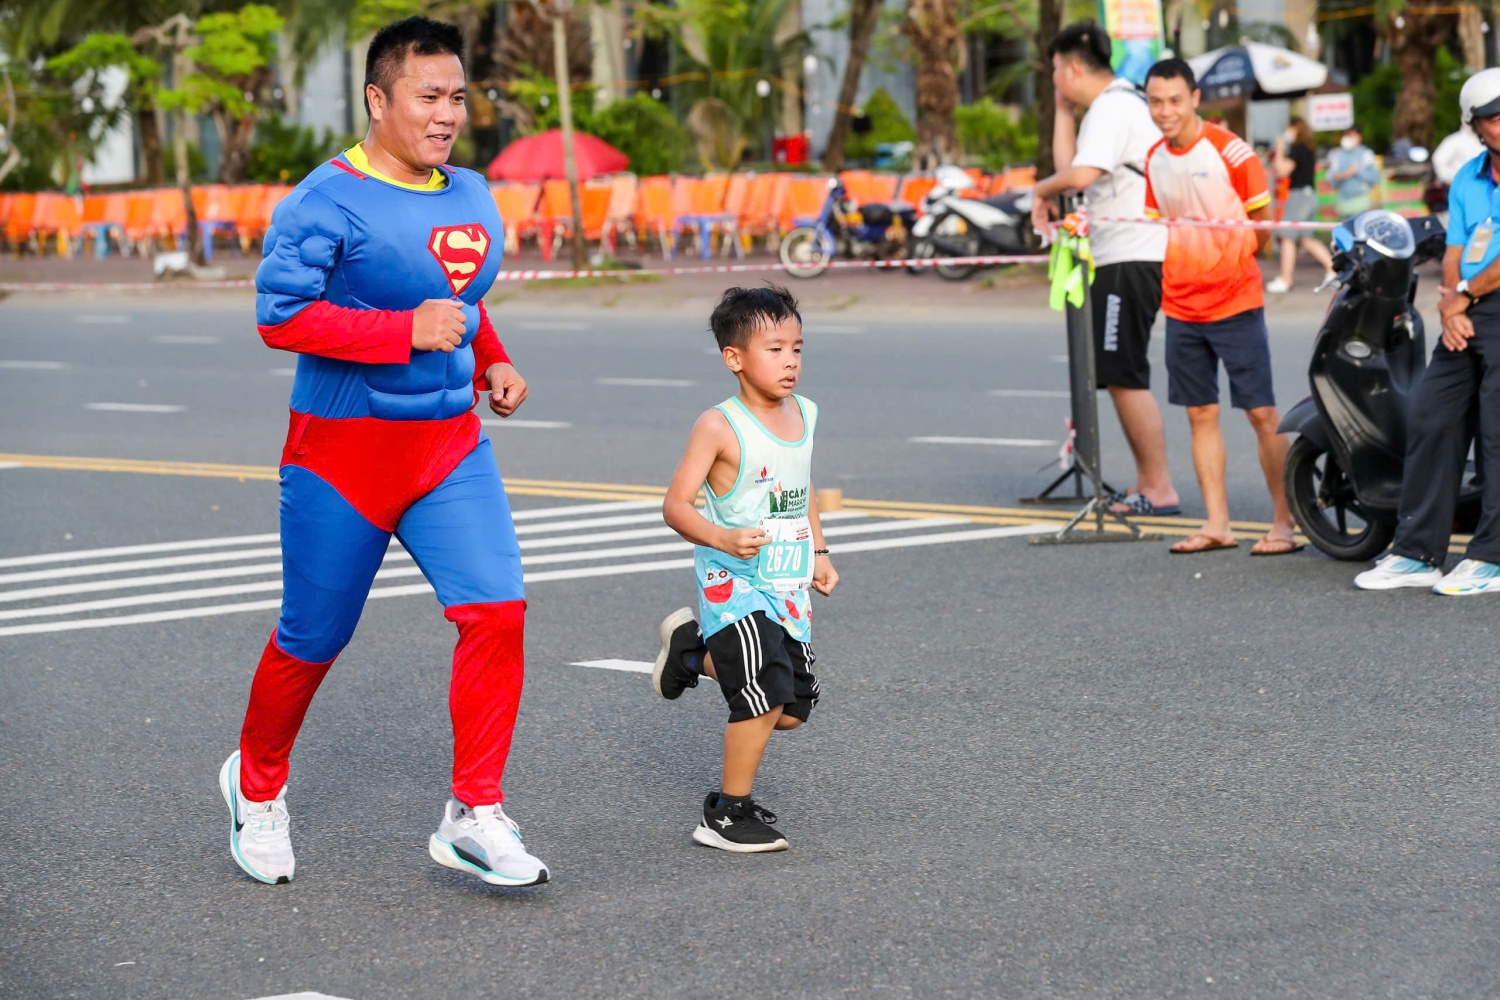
x=1036, y=772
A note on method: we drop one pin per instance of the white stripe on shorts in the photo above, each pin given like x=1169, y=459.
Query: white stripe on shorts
x=755, y=698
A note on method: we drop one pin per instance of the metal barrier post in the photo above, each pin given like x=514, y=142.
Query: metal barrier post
x=1082, y=383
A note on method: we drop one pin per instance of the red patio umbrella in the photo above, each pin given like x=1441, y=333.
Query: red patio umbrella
x=540, y=158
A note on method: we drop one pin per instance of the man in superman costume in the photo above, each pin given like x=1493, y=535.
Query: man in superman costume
x=374, y=273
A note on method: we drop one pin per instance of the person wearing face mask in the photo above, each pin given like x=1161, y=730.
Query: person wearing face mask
x=1296, y=158
x=1354, y=173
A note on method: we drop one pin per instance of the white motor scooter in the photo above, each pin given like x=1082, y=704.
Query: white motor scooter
x=954, y=226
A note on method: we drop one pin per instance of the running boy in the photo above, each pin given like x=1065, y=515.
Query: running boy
x=759, y=547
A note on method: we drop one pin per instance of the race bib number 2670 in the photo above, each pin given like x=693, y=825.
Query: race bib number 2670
x=786, y=561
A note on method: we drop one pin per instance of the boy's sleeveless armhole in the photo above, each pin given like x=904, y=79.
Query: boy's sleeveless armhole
x=739, y=474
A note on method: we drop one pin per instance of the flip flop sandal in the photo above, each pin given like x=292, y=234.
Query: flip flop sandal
x=1292, y=545
x=1214, y=545
x=1138, y=505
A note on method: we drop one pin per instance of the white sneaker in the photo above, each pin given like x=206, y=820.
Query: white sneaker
x=1277, y=287
x=1470, y=577
x=1392, y=572
x=260, y=833
x=485, y=842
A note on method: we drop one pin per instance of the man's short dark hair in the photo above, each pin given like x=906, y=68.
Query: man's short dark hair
x=1085, y=43
x=1173, y=69
x=391, y=45
x=742, y=311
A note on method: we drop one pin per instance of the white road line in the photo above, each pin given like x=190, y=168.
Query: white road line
x=538, y=425
x=231, y=540
x=537, y=324
x=1060, y=359
x=1031, y=393
x=102, y=319
x=135, y=407
x=593, y=522
x=130, y=564
x=574, y=573
x=394, y=555
x=34, y=366
x=660, y=383
x=992, y=442
x=946, y=537
x=284, y=372
x=136, y=600
x=198, y=339
x=135, y=550
x=130, y=583
x=633, y=666
x=301, y=996
x=532, y=513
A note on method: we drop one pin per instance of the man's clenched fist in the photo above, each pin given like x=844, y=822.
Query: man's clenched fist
x=437, y=325
x=507, y=388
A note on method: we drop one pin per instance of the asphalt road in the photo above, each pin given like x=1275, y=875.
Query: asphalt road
x=1036, y=772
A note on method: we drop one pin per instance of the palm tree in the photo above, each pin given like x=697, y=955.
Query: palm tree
x=863, y=16
x=1414, y=35
x=932, y=26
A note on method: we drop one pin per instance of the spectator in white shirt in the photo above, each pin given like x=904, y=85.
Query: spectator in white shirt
x=1107, y=162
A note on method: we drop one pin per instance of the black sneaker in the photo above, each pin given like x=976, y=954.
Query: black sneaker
x=679, y=634
x=742, y=827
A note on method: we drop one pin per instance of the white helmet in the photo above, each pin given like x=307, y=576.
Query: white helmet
x=1480, y=97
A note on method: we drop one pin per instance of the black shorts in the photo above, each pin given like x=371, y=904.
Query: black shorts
x=1125, y=298
x=760, y=667
x=1194, y=351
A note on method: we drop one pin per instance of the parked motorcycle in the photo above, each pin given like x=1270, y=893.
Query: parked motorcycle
x=1343, y=473
x=843, y=229
x=954, y=226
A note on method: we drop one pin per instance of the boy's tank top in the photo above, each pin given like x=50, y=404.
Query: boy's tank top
x=771, y=490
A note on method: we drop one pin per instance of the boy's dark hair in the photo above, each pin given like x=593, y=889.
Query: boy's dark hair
x=1172, y=69
x=414, y=36
x=1085, y=43
x=742, y=311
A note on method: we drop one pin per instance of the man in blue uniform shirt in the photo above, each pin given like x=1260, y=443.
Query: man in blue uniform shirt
x=1463, y=376
x=374, y=274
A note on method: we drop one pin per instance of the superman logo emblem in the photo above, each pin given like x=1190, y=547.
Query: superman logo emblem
x=461, y=251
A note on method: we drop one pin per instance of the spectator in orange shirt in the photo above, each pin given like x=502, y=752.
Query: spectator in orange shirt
x=1212, y=297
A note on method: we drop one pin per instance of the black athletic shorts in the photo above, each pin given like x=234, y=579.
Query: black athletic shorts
x=1126, y=298
x=760, y=667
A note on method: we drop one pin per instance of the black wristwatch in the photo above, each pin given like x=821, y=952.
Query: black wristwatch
x=1462, y=288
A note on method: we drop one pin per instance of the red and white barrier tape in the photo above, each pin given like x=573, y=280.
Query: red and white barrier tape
x=1314, y=227
x=518, y=274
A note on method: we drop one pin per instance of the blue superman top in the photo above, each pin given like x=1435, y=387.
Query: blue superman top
x=348, y=256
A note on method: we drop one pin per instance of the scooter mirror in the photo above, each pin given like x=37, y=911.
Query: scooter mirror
x=1343, y=239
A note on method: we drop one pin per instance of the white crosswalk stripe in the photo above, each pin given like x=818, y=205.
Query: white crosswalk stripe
x=565, y=537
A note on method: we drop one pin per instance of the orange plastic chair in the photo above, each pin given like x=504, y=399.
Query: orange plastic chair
x=169, y=215
x=699, y=204
x=57, y=216
x=620, y=215
x=857, y=183
x=104, y=216
x=1020, y=177
x=18, y=220
x=517, y=206
x=999, y=184
x=804, y=201
x=595, y=214
x=654, y=211
x=914, y=188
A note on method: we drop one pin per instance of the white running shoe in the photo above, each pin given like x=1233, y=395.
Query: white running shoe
x=1392, y=572
x=1470, y=577
x=484, y=841
x=260, y=837
x=1277, y=287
